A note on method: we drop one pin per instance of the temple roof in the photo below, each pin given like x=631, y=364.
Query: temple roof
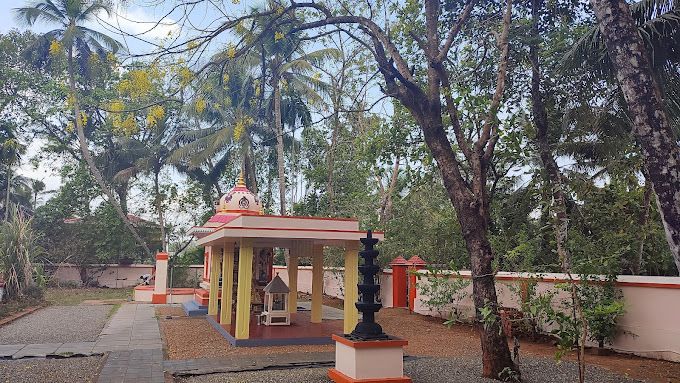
x=240, y=200
x=237, y=220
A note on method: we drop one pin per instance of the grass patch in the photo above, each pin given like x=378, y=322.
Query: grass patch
x=10, y=308
x=74, y=297
x=113, y=310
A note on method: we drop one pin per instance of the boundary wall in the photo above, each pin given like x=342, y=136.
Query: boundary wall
x=652, y=304
x=111, y=276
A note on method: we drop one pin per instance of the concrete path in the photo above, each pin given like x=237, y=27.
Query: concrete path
x=131, y=337
x=133, y=327
x=134, y=342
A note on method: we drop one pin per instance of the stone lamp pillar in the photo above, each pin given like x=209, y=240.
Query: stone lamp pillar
x=368, y=354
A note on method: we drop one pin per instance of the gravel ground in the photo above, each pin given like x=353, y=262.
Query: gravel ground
x=435, y=369
x=71, y=370
x=56, y=324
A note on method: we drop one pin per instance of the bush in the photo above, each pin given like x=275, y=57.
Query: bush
x=34, y=292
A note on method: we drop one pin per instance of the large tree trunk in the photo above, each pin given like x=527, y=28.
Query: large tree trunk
x=553, y=177
x=652, y=127
x=472, y=212
x=279, y=145
x=90, y=161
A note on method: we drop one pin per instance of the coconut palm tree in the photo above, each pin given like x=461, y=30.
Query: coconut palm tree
x=658, y=27
x=289, y=66
x=77, y=41
x=10, y=154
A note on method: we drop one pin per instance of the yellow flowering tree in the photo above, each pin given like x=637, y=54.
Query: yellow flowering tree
x=70, y=16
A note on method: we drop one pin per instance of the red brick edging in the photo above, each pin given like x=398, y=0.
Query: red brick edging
x=18, y=315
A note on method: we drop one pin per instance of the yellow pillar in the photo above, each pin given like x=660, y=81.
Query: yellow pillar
x=317, y=283
x=351, y=289
x=245, y=276
x=227, y=282
x=214, y=280
x=293, y=278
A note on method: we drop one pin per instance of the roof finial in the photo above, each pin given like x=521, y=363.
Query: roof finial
x=241, y=180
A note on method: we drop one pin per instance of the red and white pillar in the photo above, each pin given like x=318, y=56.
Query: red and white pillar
x=160, y=286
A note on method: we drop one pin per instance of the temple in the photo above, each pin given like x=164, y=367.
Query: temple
x=239, y=246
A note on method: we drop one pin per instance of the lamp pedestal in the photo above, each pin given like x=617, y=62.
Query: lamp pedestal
x=368, y=361
x=368, y=355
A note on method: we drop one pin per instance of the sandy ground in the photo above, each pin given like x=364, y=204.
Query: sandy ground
x=427, y=336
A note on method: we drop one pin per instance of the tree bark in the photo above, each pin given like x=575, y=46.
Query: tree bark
x=652, y=126
x=279, y=144
x=159, y=208
x=9, y=179
x=90, y=161
x=553, y=176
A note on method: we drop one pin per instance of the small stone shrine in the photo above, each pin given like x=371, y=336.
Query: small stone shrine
x=368, y=354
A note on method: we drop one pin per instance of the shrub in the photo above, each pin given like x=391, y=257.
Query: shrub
x=34, y=292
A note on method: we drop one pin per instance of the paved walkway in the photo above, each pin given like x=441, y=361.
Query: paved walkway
x=132, y=338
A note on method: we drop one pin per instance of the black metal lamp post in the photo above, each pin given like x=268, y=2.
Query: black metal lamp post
x=367, y=329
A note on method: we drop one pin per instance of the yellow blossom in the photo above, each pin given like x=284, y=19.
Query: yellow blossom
x=192, y=45
x=70, y=101
x=200, y=105
x=279, y=11
x=225, y=78
x=156, y=113
x=185, y=76
x=137, y=84
x=231, y=51
x=56, y=47
x=238, y=130
x=83, y=119
x=235, y=2
x=128, y=126
x=70, y=127
x=278, y=36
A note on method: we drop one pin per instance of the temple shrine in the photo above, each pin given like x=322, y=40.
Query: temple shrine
x=239, y=243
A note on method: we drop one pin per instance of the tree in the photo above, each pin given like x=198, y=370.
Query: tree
x=420, y=82
x=283, y=54
x=652, y=126
x=10, y=153
x=78, y=40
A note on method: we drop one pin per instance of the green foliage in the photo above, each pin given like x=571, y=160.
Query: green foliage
x=444, y=291
x=602, y=307
x=18, y=248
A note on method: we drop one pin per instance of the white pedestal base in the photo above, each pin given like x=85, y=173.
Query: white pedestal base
x=369, y=361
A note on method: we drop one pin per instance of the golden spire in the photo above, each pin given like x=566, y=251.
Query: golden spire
x=241, y=180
